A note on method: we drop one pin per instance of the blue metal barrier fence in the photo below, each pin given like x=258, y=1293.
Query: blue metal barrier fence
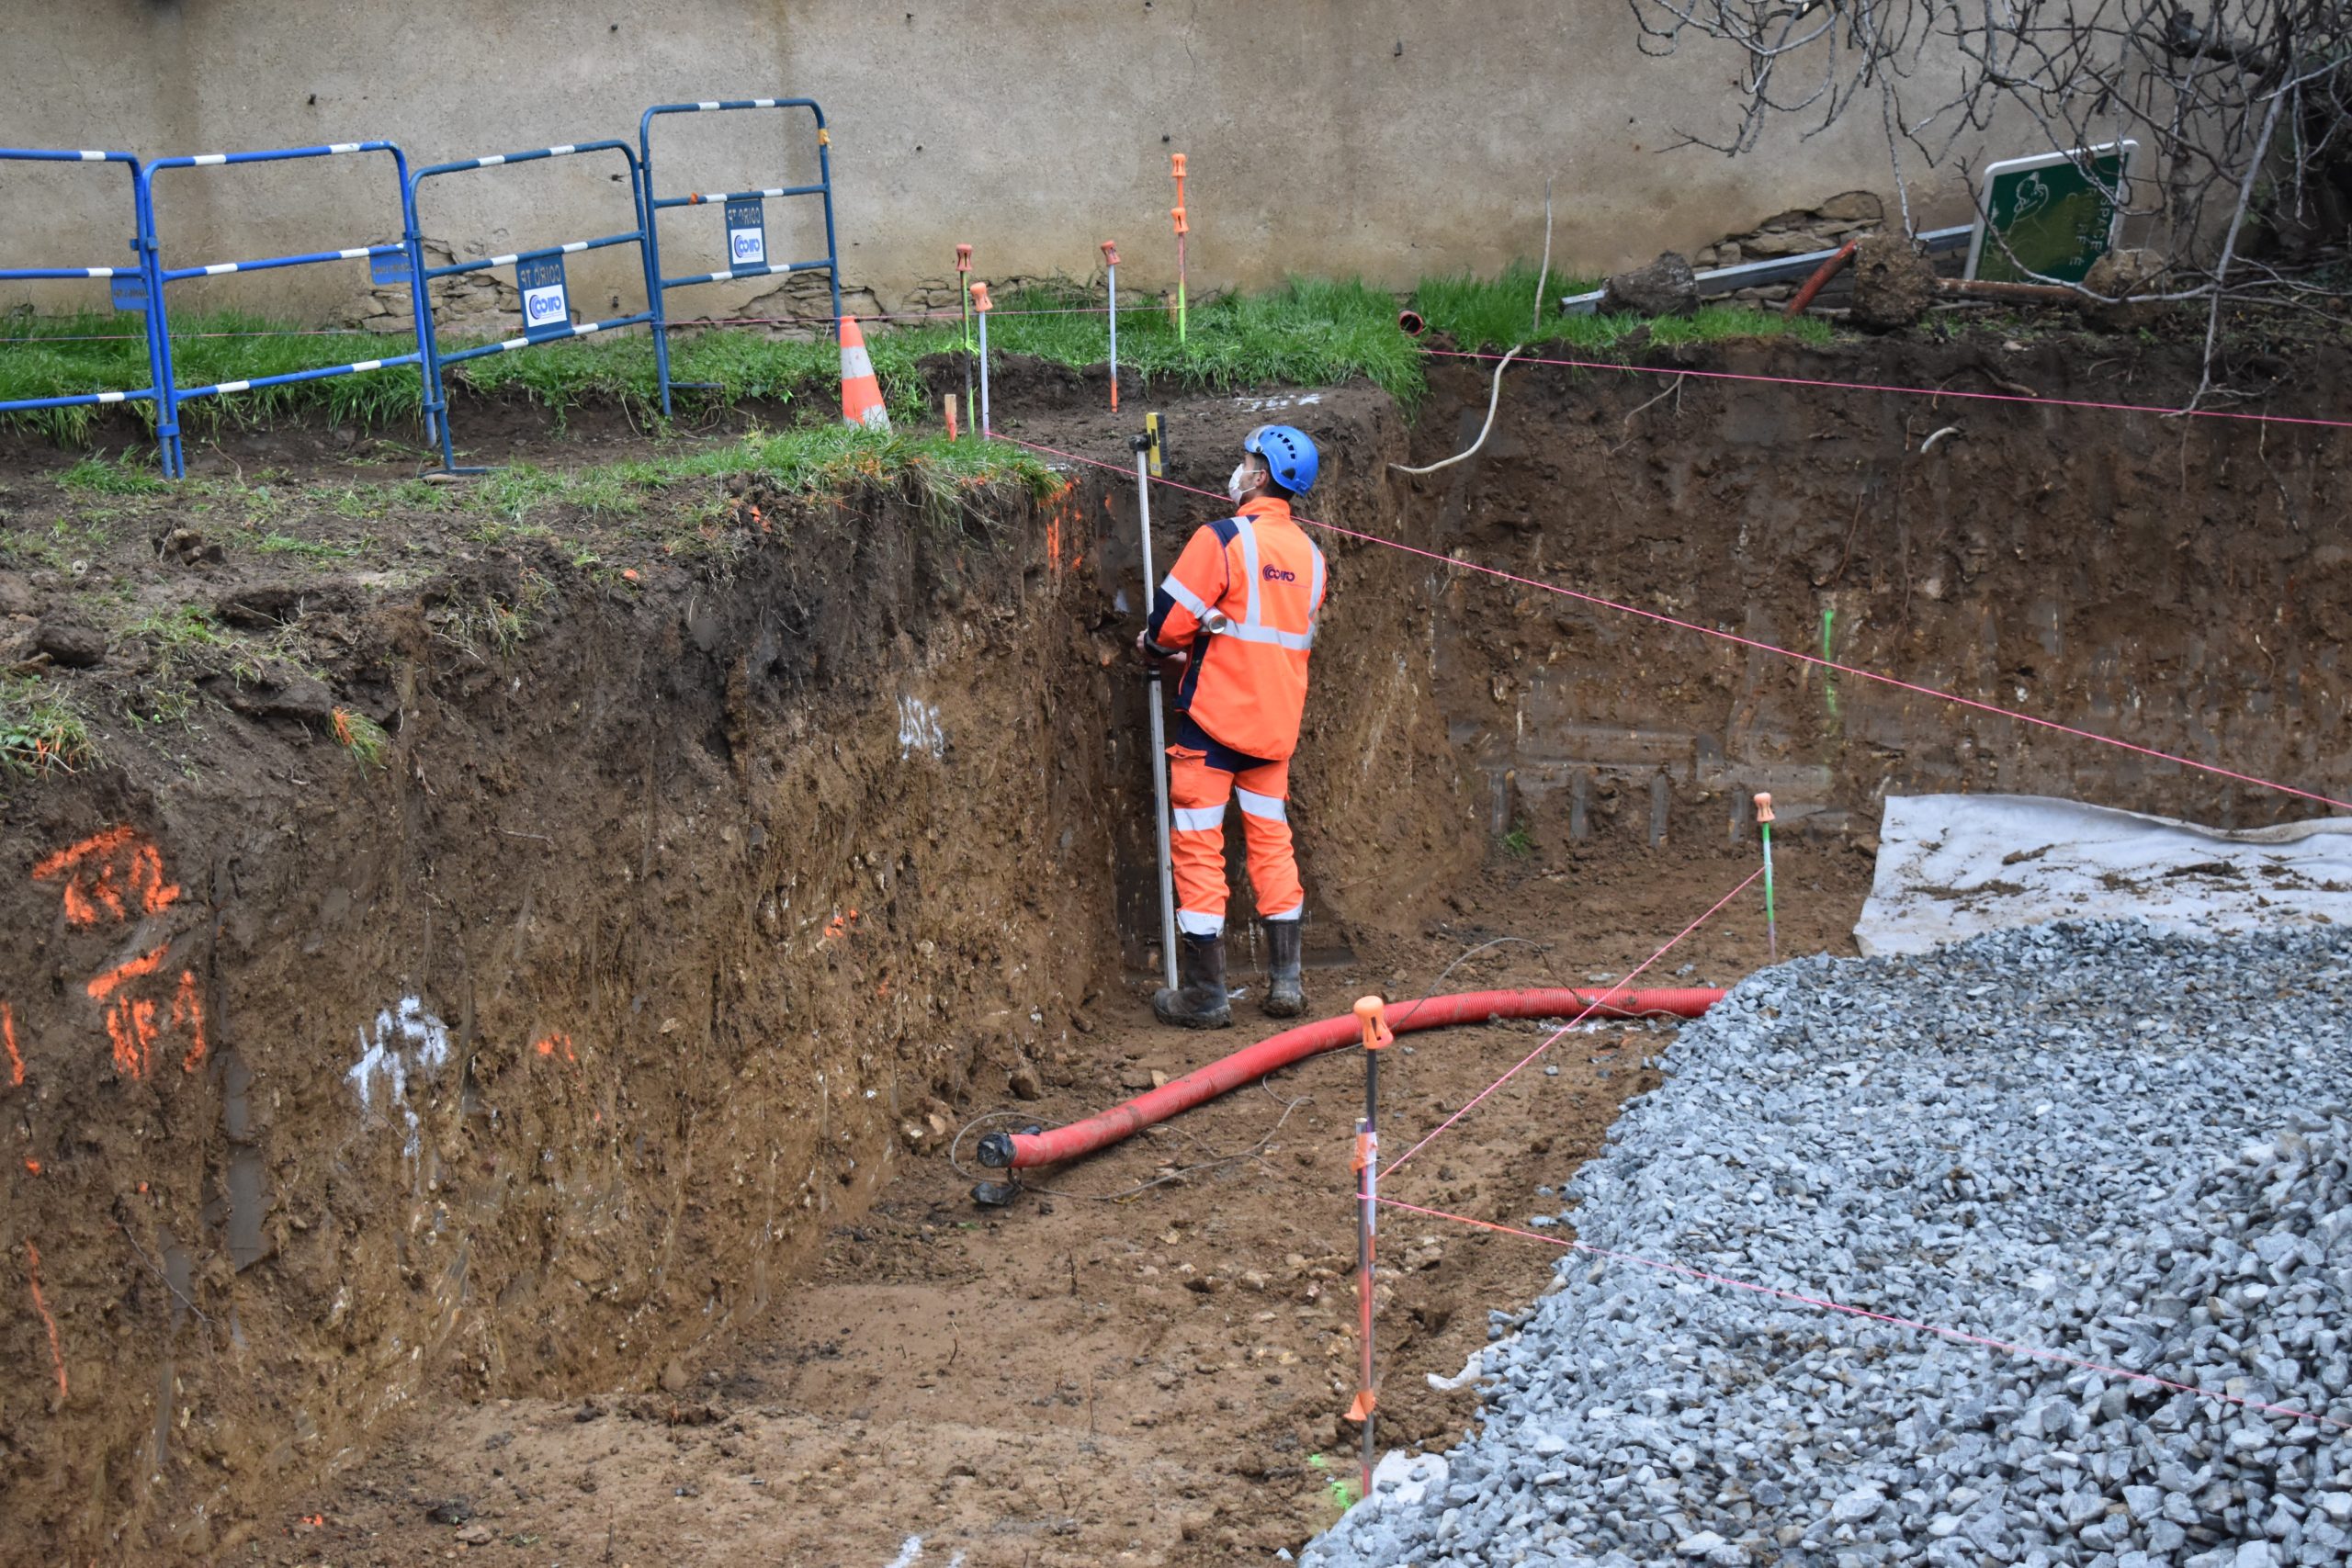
x=133, y=288
x=538, y=275
x=745, y=214
x=388, y=264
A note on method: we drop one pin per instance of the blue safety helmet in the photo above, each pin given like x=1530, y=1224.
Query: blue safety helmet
x=1289, y=455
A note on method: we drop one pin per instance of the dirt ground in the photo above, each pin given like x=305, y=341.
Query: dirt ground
x=1123, y=1372
x=542, y=1113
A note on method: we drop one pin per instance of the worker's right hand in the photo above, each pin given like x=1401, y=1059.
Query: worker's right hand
x=1157, y=659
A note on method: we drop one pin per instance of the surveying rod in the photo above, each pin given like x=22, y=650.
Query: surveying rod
x=1149, y=464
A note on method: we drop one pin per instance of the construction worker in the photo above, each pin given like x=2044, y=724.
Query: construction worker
x=1237, y=612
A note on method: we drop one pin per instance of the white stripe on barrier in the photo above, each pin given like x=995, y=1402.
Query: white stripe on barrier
x=368, y=365
x=502, y=261
x=232, y=386
x=772, y=190
x=512, y=344
x=560, y=152
x=216, y=268
x=586, y=327
x=491, y=161
x=708, y=105
x=94, y=157
x=203, y=158
x=356, y=253
x=112, y=397
x=718, y=277
x=764, y=103
x=99, y=271
x=576, y=246
x=344, y=147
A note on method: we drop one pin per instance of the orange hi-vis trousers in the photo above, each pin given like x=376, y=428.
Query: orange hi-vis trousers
x=1201, y=779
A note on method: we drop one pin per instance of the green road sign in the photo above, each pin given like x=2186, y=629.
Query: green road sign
x=2053, y=213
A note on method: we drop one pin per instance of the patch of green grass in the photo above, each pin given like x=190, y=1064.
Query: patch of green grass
x=816, y=460
x=360, y=736
x=40, y=732
x=1519, y=843
x=308, y=549
x=1309, y=331
x=189, y=641
x=184, y=630
x=99, y=475
x=56, y=547
x=1496, y=312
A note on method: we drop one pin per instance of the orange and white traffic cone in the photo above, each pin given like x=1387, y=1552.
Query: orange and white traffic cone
x=860, y=393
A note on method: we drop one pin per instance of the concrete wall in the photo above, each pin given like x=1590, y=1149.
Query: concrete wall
x=1377, y=136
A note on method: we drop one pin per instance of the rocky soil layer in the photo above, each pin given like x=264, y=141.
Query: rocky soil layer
x=2123, y=1148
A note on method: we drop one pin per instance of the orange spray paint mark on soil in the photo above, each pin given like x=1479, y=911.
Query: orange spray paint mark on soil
x=40, y=1305
x=187, y=1013
x=133, y=1021
x=110, y=873
x=8, y=1035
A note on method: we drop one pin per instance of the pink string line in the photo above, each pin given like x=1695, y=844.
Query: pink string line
x=1399, y=1162
x=1829, y=664
x=1910, y=391
x=1962, y=1336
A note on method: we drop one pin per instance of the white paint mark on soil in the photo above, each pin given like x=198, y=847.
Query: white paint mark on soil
x=407, y=1040
x=918, y=728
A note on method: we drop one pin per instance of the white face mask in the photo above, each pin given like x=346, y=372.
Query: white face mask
x=1238, y=485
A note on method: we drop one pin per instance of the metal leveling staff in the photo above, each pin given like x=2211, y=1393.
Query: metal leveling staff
x=1237, y=612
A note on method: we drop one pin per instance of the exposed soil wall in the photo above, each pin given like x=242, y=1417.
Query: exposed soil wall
x=681, y=907
x=679, y=904
x=2185, y=584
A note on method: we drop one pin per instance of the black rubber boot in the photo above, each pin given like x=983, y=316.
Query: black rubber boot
x=1200, y=1001
x=1285, y=992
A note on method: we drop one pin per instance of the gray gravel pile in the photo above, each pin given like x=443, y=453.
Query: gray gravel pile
x=2126, y=1147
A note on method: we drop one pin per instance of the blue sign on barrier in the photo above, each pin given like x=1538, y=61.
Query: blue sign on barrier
x=547, y=313
x=129, y=286
x=538, y=274
x=747, y=232
x=170, y=396
x=738, y=203
x=388, y=267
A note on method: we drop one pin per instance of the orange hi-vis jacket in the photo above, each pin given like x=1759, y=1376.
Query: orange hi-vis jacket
x=1244, y=596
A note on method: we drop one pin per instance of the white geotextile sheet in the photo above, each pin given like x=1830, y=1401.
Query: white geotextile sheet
x=1951, y=866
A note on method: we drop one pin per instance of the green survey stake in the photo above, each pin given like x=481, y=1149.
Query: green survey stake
x=1772, y=928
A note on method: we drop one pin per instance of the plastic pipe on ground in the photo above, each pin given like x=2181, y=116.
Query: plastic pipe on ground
x=1019, y=1151
x=1820, y=279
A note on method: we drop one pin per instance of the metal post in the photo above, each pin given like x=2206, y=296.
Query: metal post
x=964, y=291
x=1111, y=303
x=981, y=307
x=1772, y=928
x=1182, y=228
x=1148, y=462
x=1371, y=1016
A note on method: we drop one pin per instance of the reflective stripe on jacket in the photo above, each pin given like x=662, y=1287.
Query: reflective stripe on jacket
x=1263, y=577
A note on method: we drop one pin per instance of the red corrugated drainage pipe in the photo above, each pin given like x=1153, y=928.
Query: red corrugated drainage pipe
x=1019, y=1150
